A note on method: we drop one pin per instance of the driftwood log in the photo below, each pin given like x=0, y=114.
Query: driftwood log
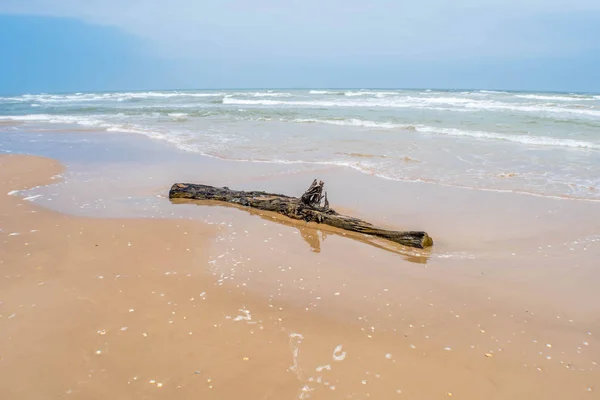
x=312, y=206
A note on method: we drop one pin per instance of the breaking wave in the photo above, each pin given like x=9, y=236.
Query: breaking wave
x=554, y=98
x=523, y=139
x=435, y=103
x=97, y=122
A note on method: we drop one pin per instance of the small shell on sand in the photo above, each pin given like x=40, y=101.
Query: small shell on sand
x=338, y=354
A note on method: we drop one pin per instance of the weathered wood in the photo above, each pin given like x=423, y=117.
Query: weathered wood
x=314, y=196
x=307, y=208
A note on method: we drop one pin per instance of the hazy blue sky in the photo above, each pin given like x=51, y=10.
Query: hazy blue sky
x=73, y=45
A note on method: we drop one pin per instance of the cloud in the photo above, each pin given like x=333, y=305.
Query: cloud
x=272, y=30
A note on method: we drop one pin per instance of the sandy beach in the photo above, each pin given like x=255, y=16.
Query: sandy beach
x=220, y=303
x=471, y=131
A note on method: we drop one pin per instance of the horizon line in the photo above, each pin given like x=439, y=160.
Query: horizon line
x=303, y=88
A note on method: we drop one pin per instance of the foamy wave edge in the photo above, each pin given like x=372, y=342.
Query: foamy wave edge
x=94, y=122
x=556, y=97
x=453, y=104
x=180, y=143
x=523, y=139
x=124, y=96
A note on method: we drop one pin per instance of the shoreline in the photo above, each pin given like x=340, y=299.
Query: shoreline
x=386, y=178
x=480, y=159
x=369, y=301
x=228, y=171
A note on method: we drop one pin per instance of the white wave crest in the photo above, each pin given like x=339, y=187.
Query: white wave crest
x=493, y=92
x=178, y=139
x=54, y=119
x=523, y=139
x=553, y=98
x=367, y=93
x=263, y=94
x=91, y=122
x=324, y=92
x=117, y=96
x=536, y=109
x=229, y=100
x=351, y=122
x=432, y=103
x=388, y=103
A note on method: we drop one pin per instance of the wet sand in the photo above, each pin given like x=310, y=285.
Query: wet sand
x=230, y=304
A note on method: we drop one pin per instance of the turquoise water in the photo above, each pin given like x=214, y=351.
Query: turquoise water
x=537, y=143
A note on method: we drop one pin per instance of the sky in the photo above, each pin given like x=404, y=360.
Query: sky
x=91, y=45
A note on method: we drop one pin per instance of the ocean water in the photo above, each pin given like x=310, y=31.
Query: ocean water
x=545, y=144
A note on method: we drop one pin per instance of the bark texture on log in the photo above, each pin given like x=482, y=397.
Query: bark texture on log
x=313, y=206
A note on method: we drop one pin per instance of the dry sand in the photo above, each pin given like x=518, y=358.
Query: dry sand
x=150, y=308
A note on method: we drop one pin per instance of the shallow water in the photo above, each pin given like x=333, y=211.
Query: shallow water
x=537, y=143
x=126, y=175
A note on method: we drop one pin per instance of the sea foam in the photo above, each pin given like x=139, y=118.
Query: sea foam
x=523, y=139
x=456, y=104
